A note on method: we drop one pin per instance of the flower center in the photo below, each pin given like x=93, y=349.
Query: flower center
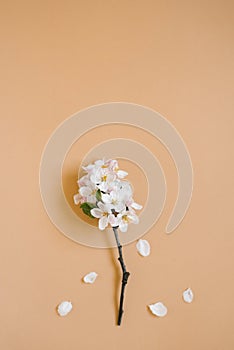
x=104, y=178
x=125, y=218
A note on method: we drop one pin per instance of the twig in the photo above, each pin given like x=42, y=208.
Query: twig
x=125, y=276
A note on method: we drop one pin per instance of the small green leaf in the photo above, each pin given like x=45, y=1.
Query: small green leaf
x=87, y=207
x=99, y=195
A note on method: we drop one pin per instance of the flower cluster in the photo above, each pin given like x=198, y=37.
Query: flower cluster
x=106, y=195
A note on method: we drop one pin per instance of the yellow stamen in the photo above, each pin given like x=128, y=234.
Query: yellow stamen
x=125, y=218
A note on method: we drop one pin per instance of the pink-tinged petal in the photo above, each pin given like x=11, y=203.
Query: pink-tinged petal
x=77, y=198
x=122, y=174
x=103, y=222
x=97, y=213
x=85, y=191
x=123, y=226
x=136, y=206
x=113, y=220
x=88, y=168
x=83, y=181
x=106, y=198
x=93, y=179
x=110, y=178
x=99, y=162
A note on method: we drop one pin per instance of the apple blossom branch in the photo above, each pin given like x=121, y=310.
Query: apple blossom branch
x=104, y=194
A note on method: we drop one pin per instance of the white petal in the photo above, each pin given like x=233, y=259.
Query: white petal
x=85, y=191
x=90, y=277
x=123, y=226
x=77, y=197
x=121, y=174
x=133, y=218
x=113, y=220
x=102, y=206
x=119, y=207
x=64, y=308
x=88, y=168
x=105, y=208
x=102, y=223
x=136, y=206
x=97, y=213
x=92, y=199
x=93, y=179
x=188, y=295
x=83, y=181
x=106, y=198
x=99, y=162
x=158, y=309
x=110, y=178
x=103, y=186
x=143, y=247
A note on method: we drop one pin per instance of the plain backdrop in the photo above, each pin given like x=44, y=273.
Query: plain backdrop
x=176, y=57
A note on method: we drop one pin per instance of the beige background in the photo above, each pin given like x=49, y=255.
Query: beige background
x=176, y=57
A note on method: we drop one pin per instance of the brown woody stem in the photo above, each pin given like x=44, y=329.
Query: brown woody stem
x=125, y=275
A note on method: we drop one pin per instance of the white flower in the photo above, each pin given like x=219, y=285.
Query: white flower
x=102, y=213
x=102, y=178
x=88, y=192
x=125, y=218
x=115, y=199
x=116, y=205
x=124, y=190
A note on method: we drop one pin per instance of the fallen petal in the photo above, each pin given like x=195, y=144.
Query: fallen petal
x=143, y=247
x=188, y=295
x=90, y=277
x=158, y=309
x=64, y=308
